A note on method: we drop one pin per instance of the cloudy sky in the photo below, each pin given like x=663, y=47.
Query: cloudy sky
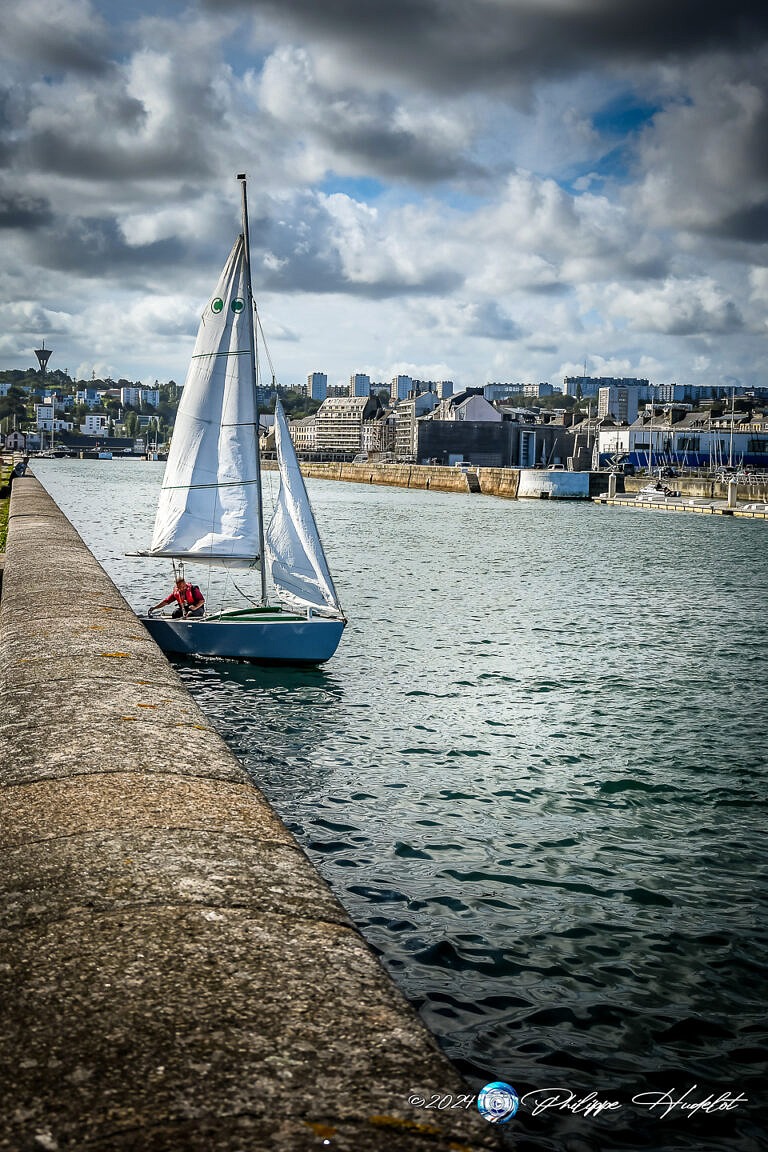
x=472, y=190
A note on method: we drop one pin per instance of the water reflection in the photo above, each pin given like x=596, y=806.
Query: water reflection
x=276, y=720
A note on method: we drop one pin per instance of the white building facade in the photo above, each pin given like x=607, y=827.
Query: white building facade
x=96, y=424
x=137, y=397
x=304, y=434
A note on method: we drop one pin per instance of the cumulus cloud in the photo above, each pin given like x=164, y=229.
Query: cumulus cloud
x=704, y=157
x=69, y=36
x=677, y=307
x=455, y=44
x=500, y=185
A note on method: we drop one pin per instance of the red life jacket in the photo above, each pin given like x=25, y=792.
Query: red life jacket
x=190, y=594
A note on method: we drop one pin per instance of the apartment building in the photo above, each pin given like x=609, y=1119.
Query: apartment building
x=360, y=385
x=304, y=434
x=138, y=397
x=317, y=386
x=340, y=422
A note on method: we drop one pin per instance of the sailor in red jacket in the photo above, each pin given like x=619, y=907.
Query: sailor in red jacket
x=189, y=600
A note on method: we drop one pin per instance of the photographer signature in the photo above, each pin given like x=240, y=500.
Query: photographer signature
x=563, y=1100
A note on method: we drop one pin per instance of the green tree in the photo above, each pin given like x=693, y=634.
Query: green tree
x=14, y=404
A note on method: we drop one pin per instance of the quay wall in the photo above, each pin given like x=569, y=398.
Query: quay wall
x=420, y=476
x=173, y=971
x=432, y=477
x=505, y=482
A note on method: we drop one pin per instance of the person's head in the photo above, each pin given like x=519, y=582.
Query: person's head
x=180, y=583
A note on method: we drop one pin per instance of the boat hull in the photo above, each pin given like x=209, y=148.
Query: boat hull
x=277, y=639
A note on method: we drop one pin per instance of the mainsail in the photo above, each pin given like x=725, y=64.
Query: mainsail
x=209, y=507
x=299, y=569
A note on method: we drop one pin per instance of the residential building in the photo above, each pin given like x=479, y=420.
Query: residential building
x=340, y=422
x=591, y=385
x=470, y=404
x=360, y=384
x=137, y=397
x=496, y=392
x=538, y=390
x=378, y=435
x=407, y=413
x=444, y=389
x=44, y=416
x=619, y=403
x=400, y=387
x=90, y=397
x=96, y=424
x=317, y=386
x=304, y=434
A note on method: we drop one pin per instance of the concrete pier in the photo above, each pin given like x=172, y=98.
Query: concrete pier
x=173, y=972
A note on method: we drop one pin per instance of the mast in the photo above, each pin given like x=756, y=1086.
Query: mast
x=252, y=351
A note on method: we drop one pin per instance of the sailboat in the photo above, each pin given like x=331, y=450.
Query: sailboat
x=210, y=509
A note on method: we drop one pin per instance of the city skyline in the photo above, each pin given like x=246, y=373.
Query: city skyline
x=476, y=192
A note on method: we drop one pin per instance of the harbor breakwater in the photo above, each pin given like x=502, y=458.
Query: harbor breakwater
x=173, y=971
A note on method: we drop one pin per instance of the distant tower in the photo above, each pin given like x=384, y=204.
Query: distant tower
x=43, y=355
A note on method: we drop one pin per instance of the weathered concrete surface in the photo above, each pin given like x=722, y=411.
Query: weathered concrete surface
x=173, y=972
x=538, y=483
x=421, y=476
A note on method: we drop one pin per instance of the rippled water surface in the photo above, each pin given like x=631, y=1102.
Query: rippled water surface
x=534, y=773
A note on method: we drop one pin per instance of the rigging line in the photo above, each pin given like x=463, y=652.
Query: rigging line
x=213, y=355
x=264, y=342
x=224, y=484
x=244, y=595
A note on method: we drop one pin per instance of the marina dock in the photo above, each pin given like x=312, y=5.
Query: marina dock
x=693, y=494
x=175, y=974
x=673, y=504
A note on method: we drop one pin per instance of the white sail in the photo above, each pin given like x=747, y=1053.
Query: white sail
x=209, y=503
x=294, y=550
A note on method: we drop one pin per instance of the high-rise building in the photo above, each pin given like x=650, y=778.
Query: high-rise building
x=619, y=403
x=399, y=388
x=360, y=384
x=317, y=386
x=591, y=385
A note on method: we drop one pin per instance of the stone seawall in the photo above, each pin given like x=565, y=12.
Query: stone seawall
x=505, y=482
x=431, y=477
x=173, y=972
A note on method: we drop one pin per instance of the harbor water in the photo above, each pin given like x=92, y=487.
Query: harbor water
x=535, y=775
